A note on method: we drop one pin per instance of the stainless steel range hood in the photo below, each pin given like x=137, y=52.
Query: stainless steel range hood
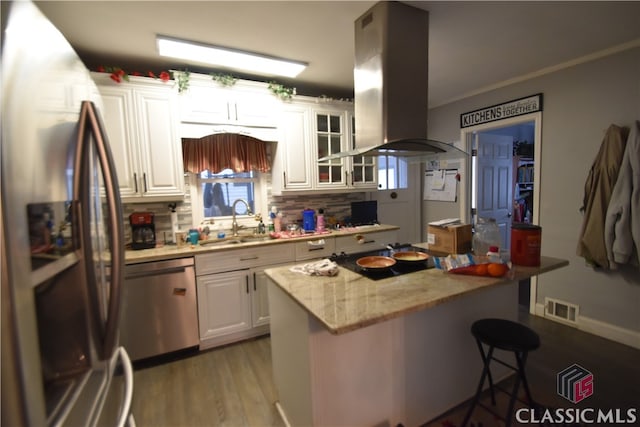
x=391, y=85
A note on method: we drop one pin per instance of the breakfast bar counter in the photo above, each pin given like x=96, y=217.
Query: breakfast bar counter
x=351, y=351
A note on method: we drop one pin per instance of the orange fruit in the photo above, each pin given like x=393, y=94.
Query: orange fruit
x=481, y=269
x=496, y=270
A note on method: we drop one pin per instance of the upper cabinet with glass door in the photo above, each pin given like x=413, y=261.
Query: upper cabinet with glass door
x=363, y=168
x=314, y=129
x=330, y=137
x=335, y=133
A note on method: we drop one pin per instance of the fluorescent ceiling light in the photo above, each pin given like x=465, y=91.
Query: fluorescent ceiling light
x=229, y=58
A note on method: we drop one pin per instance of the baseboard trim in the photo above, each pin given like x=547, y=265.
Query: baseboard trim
x=596, y=327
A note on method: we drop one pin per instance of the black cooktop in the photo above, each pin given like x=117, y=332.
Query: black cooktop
x=400, y=268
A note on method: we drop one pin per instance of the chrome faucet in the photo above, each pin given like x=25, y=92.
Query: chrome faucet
x=234, y=223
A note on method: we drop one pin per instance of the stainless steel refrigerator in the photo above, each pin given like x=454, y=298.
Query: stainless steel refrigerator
x=62, y=229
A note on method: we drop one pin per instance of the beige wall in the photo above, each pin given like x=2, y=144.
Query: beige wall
x=580, y=102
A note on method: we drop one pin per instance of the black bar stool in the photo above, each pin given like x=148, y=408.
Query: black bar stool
x=509, y=336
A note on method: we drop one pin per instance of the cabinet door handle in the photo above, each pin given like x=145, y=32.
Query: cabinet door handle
x=180, y=291
x=235, y=107
x=352, y=182
x=135, y=181
x=284, y=179
x=246, y=278
x=249, y=258
x=228, y=112
x=144, y=179
x=254, y=282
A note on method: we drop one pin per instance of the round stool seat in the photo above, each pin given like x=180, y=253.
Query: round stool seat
x=505, y=334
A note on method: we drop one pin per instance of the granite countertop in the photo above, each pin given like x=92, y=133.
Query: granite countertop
x=350, y=301
x=165, y=252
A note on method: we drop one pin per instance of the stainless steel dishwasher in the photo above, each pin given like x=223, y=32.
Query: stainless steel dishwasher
x=160, y=313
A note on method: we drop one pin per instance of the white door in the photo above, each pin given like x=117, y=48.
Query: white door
x=494, y=182
x=401, y=206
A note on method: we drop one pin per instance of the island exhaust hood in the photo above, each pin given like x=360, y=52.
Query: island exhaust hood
x=391, y=85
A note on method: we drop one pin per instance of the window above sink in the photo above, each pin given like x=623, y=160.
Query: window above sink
x=215, y=193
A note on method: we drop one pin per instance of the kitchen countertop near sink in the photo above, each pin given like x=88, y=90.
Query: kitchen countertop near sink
x=164, y=252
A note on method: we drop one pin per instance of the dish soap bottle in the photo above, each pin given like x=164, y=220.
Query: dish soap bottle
x=320, y=221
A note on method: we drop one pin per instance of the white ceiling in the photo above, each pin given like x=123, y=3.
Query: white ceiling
x=473, y=46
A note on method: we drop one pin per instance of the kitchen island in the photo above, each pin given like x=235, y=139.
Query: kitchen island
x=350, y=351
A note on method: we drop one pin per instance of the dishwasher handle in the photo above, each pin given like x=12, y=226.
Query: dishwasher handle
x=136, y=274
x=177, y=265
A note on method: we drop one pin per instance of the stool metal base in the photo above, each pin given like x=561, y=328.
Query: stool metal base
x=521, y=358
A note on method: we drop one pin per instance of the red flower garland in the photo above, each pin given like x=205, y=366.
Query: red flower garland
x=117, y=74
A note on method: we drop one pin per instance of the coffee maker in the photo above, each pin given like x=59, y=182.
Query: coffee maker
x=143, y=230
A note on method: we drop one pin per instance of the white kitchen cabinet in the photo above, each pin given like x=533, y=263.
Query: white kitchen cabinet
x=311, y=129
x=317, y=248
x=141, y=122
x=330, y=136
x=60, y=95
x=364, y=169
x=260, y=298
x=245, y=103
x=367, y=241
x=224, y=306
x=232, y=298
x=293, y=170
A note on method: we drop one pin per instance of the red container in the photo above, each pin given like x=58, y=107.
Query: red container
x=526, y=240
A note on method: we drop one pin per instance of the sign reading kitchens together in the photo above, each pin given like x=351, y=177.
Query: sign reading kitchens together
x=514, y=108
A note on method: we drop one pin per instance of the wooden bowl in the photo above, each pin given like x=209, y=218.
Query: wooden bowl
x=377, y=263
x=410, y=256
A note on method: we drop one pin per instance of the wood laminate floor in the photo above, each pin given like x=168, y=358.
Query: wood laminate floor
x=233, y=385
x=228, y=386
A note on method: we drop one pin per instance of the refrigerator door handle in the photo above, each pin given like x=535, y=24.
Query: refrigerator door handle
x=90, y=123
x=126, y=418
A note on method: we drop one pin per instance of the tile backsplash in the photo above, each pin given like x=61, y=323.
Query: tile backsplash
x=337, y=206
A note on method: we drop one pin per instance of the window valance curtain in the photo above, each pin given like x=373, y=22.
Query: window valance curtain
x=221, y=151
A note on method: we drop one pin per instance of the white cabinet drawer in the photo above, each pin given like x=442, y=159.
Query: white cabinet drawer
x=317, y=248
x=236, y=259
x=365, y=242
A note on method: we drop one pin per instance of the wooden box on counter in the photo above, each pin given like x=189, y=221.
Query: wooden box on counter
x=451, y=239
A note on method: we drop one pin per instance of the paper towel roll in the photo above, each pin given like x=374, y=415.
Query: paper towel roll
x=174, y=225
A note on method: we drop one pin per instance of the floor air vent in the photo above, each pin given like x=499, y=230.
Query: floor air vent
x=560, y=310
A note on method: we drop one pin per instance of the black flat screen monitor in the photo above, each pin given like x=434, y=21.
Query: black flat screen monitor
x=364, y=213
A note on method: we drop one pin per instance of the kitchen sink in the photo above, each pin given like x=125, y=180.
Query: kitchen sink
x=245, y=238
x=234, y=240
